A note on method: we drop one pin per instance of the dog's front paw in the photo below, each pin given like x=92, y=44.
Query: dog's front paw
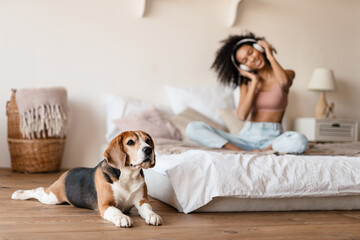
x=123, y=221
x=153, y=219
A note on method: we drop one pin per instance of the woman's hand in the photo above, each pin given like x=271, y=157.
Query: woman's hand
x=267, y=47
x=252, y=76
x=284, y=78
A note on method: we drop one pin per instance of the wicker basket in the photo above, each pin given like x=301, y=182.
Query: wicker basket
x=31, y=155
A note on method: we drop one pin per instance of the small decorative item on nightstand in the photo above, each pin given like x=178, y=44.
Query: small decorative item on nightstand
x=322, y=80
x=327, y=130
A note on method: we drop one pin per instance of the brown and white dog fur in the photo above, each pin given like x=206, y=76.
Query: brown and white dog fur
x=114, y=186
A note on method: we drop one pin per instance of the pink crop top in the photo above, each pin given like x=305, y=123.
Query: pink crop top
x=274, y=100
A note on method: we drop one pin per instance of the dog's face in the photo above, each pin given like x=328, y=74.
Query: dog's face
x=134, y=149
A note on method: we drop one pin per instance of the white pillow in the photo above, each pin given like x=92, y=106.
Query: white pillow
x=206, y=100
x=118, y=107
x=151, y=121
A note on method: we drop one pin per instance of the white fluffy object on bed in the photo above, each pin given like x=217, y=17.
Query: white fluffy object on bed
x=207, y=100
x=117, y=107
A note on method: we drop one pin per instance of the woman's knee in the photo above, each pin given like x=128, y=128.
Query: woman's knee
x=291, y=142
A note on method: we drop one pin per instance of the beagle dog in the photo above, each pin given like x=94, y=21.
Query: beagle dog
x=114, y=186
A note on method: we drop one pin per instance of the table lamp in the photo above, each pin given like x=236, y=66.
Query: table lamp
x=322, y=80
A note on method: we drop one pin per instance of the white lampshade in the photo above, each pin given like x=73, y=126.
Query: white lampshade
x=322, y=79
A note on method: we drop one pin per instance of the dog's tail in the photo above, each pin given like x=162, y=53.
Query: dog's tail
x=37, y=193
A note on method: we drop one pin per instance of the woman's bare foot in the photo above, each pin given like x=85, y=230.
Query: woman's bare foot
x=267, y=149
x=255, y=150
x=230, y=146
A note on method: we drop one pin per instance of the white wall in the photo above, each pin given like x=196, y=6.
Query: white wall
x=93, y=47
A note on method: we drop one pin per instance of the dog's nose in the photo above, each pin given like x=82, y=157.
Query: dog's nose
x=147, y=150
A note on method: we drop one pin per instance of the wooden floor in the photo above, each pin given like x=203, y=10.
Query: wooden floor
x=33, y=220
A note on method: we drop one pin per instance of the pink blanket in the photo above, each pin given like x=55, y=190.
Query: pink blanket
x=43, y=111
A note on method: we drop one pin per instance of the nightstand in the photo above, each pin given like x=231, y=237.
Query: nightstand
x=327, y=130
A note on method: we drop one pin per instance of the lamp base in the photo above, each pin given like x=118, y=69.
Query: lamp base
x=321, y=106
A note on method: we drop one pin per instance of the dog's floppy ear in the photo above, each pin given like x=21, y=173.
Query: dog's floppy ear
x=152, y=145
x=115, y=154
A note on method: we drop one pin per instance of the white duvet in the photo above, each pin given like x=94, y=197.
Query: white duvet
x=197, y=176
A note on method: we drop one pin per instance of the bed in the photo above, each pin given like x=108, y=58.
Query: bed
x=193, y=178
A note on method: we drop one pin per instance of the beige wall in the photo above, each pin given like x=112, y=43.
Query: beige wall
x=94, y=47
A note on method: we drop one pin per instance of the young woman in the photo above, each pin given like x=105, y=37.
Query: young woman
x=248, y=61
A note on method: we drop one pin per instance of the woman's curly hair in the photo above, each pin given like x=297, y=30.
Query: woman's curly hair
x=227, y=73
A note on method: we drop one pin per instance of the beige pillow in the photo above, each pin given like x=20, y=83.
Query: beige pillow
x=231, y=120
x=182, y=119
x=151, y=121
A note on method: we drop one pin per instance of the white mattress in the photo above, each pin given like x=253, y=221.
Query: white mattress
x=187, y=181
x=198, y=180
x=159, y=187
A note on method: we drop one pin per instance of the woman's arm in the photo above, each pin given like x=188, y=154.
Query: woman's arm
x=283, y=77
x=247, y=95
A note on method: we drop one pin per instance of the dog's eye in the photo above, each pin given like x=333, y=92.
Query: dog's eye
x=148, y=141
x=130, y=142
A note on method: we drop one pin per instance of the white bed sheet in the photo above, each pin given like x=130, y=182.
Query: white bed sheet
x=159, y=187
x=197, y=177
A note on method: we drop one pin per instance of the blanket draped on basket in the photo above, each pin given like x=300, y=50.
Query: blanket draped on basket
x=43, y=112
x=37, y=124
